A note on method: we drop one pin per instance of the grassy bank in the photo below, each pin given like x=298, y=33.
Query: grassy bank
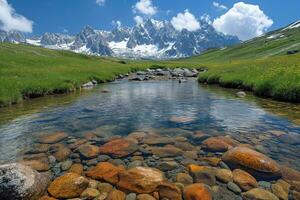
x=261, y=65
x=29, y=71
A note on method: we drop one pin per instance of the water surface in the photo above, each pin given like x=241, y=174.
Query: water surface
x=137, y=105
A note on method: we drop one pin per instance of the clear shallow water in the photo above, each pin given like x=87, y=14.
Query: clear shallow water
x=136, y=105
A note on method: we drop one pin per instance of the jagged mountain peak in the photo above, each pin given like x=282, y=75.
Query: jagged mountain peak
x=150, y=39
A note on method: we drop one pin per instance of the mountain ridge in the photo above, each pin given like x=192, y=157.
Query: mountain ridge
x=151, y=39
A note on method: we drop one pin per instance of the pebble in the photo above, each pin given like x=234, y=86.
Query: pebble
x=103, y=158
x=131, y=196
x=264, y=185
x=234, y=188
x=66, y=165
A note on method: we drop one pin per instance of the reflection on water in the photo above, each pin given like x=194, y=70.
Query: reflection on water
x=136, y=105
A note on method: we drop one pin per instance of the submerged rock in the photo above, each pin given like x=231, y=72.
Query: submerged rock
x=181, y=119
x=70, y=185
x=219, y=144
x=259, y=194
x=291, y=176
x=140, y=179
x=20, y=182
x=169, y=191
x=197, y=191
x=167, y=151
x=244, y=180
x=257, y=164
x=88, y=151
x=52, y=138
x=118, y=148
x=105, y=171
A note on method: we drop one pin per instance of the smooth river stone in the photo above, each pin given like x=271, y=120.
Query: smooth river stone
x=52, y=138
x=70, y=185
x=140, y=179
x=118, y=148
x=219, y=144
x=105, y=171
x=197, y=191
x=255, y=163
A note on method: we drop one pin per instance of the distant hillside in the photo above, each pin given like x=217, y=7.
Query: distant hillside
x=268, y=65
x=274, y=43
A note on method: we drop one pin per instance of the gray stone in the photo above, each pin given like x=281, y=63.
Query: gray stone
x=234, y=188
x=66, y=165
x=135, y=163
x=103, y=158
x=20, y=182
x=131, y=196
x=168, y=165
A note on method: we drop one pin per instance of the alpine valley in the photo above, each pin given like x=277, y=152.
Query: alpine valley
x=151, y=39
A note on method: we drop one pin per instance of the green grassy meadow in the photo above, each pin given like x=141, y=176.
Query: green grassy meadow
x=260, y=65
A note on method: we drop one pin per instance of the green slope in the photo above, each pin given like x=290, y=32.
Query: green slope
x=260, y=65
x=28, y=71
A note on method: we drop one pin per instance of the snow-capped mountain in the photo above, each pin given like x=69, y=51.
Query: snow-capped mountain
x=150, y=39
x=12, y=36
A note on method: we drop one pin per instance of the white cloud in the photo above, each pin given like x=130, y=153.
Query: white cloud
x=145, y=7
x=185, y=20
x=116, y=23
x=100, y=2
x=219, y=6
x=243, y=20
x=138, y=20
x=206, y=18
x=12, y=21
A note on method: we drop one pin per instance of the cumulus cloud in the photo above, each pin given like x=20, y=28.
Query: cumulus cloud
x=138, y=20
x=12, y=21
x=100, y=2
x=219, y=6
x=145, y=7
x=185, y=20
x=116, y=23
x=243, y=20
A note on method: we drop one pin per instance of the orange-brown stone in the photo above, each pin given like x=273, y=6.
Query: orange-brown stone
x=166, y=151
x=214, y=161
x=90, y=136
x=197, y=192
x=69, y=185
x=118, y=148
x=140, y=179
x=169, y=191
x=196, y=168
x=291, y=176
x=88, y=151
x=52, y=138
x=244, y=180
x=219, y=144
x=105, y=171
x=76, y=144
x=76, y=168
x=255, y=163
x=61, y=152
x=38, y=165
x=47, y=198
x=116, y=195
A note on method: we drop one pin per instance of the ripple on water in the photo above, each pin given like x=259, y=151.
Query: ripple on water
x=132, y=106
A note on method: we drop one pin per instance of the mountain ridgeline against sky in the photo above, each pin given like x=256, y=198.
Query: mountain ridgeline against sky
x=151, y=39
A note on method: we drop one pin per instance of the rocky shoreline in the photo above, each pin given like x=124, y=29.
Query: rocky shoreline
x=146, y=165
x=180, y=74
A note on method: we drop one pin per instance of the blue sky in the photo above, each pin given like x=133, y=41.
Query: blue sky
x=73, y=15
